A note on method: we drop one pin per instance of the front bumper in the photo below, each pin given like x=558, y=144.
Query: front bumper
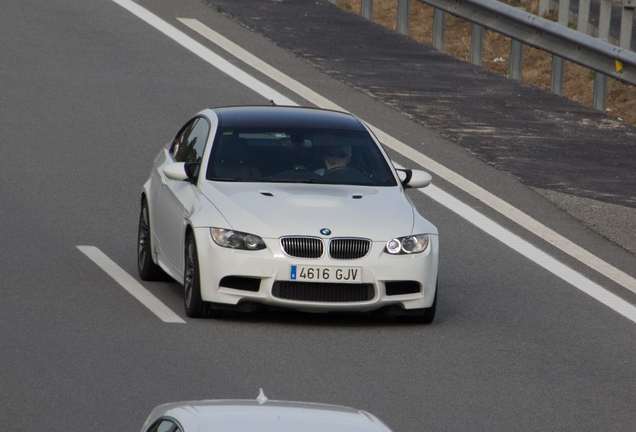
x=231, y=277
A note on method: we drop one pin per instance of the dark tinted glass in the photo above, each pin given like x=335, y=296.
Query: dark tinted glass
x=298, y=156
x=164, y=425
x=190, y=143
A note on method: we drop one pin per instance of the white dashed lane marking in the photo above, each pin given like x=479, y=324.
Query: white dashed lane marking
x=131, y=285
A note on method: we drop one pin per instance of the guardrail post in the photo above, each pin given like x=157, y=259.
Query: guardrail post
x=439, y=29
x=544, y=7
x=583, y=22
x=600, y=92
x=556, y=77
x=604, y=19
x=564, y=12
x=476, y=44
x=366, y=9
x=627, y=22
x=516, y=60
x=600, y=80
x=403, y=15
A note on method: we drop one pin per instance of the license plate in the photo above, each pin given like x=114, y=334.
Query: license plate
x=326, y=274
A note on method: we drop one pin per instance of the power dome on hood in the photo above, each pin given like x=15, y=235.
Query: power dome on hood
x=374, y=213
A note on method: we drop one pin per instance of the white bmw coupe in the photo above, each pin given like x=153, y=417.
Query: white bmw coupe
x=286, y=207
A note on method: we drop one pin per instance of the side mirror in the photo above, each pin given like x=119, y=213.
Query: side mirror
x=181, y=171
x=415, y=179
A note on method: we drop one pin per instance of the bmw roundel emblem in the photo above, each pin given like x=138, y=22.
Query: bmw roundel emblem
x=325, y=231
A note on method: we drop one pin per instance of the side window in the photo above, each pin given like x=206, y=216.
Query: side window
x=189, y=145
x=164, y=425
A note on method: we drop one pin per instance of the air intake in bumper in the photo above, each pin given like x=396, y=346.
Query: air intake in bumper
x=323, y=292
x=402, y=287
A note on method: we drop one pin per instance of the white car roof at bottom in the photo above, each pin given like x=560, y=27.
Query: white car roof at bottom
x=263, y=415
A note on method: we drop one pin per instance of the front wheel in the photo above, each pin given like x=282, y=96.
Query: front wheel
x=422, y=316
x=148, y=270
x=195, y=306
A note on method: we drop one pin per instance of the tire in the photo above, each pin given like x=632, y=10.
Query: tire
x=148, y=270
x=195, y=306
x=422, y=316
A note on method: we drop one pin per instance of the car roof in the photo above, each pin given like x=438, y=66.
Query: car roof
x=268, y=416
x=284, y=116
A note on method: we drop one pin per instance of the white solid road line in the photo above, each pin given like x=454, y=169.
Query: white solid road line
x=531, y=252
x=429, y=164
x=256, y=63
x=131, y=285
x=503, y=235
x=203, y=52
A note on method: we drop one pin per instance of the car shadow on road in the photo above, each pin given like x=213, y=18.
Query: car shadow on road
x=330, y=319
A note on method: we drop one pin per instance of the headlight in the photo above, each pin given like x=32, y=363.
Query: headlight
x=236, y=240
x=407, y=245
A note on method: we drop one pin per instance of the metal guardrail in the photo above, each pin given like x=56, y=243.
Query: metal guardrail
x=546, y=35
x=527, y=29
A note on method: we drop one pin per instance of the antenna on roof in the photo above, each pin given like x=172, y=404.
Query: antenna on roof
x=261, y=397
x=272, y=103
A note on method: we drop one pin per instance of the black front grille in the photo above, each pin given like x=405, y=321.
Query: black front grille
x=323, y=292
x=349, y=248
x=302, y=247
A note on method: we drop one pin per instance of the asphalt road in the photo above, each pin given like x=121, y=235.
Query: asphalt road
x=89, y=93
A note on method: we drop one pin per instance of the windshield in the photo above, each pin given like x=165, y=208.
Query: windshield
x=298, y=156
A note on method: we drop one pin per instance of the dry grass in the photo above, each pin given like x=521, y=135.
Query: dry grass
x=579, y=81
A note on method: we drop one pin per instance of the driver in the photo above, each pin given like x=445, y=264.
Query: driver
x=335, y=158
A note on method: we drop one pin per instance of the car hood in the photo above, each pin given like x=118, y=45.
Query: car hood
x=272, y=210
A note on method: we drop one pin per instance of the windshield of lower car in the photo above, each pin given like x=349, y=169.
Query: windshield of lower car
x=298, y=156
